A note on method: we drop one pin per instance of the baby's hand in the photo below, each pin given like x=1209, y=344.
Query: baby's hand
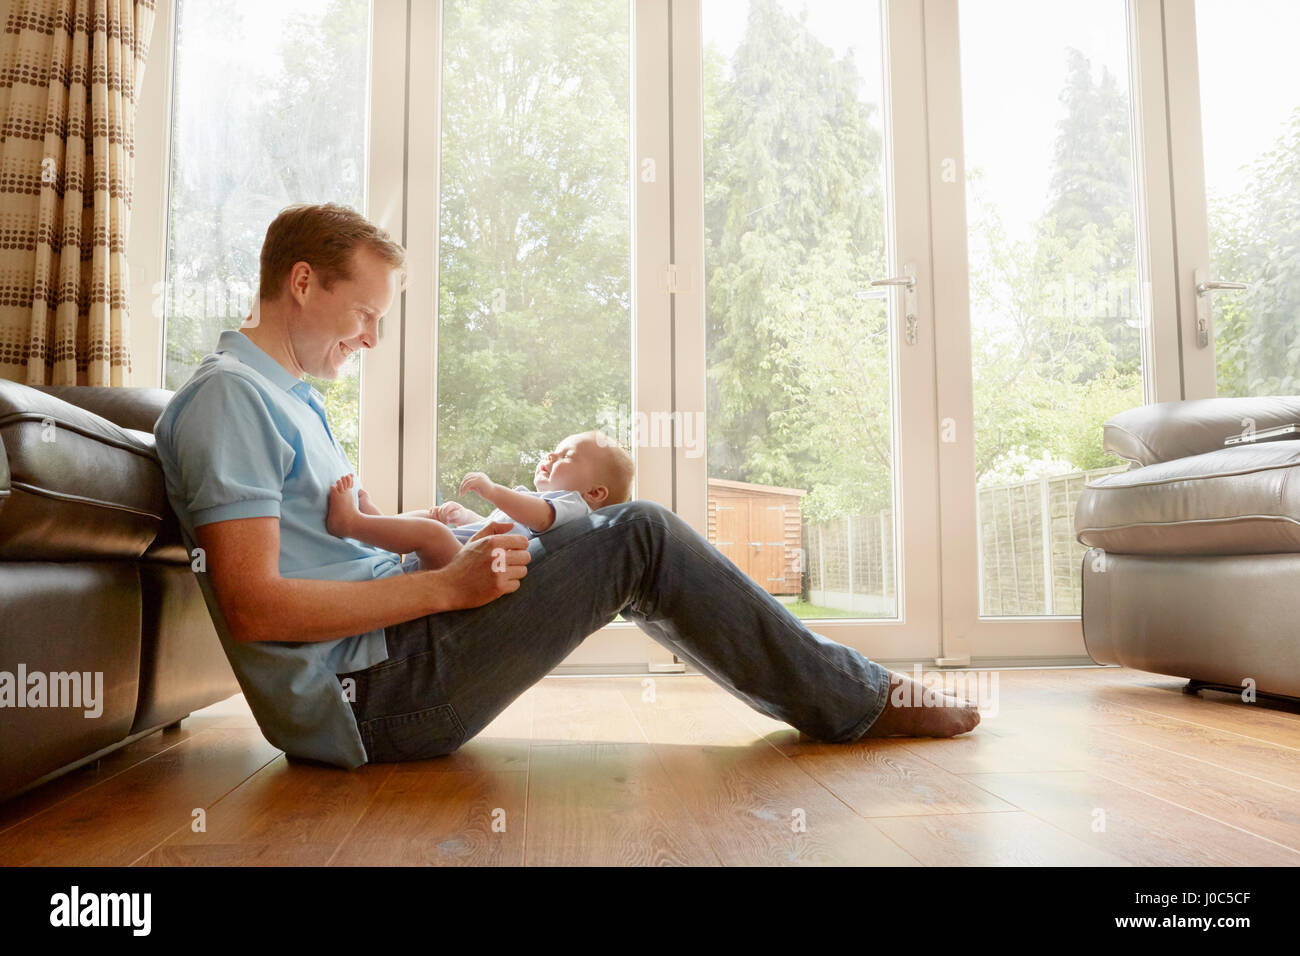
x=451, y=513
x=477, y=482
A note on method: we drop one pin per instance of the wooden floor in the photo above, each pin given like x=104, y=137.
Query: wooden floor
x=1077, y=767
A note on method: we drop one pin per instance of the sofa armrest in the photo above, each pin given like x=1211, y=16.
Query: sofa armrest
x=80, y=487
x=137, y=408
x=1167, y=431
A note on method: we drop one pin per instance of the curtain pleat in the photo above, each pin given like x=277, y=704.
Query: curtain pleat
x=70, y=72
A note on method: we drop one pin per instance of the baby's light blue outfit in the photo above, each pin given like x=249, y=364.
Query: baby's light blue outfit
x=567, y=506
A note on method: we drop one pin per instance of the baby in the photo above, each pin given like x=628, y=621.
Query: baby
x=585, y=472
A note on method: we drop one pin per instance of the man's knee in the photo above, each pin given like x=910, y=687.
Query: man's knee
x=643, y=506
x=641, y=509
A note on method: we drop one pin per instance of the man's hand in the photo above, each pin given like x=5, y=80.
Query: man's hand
x=491, y=564
x=478, y=483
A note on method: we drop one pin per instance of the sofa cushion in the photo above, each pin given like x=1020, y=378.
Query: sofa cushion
x=80, y=487
x=1240, y=500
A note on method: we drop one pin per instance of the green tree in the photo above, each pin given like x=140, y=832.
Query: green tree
x=1060, y=350
x=798, y=375
x=1255, y=237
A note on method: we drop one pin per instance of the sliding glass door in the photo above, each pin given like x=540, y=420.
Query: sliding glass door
x=809, y=227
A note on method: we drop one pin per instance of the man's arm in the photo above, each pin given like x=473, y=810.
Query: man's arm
x=531, y=512
x=242, y=555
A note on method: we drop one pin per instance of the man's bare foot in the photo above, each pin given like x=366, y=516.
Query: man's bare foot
x=914, y=710
x=341, y=519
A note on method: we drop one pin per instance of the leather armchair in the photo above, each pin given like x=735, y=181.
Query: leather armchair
x=1194, y=552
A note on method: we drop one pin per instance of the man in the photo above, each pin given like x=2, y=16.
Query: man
x=346, y=657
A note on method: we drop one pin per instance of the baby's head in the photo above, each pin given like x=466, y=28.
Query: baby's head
x=590, y=464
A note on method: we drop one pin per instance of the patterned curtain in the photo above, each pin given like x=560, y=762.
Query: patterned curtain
x=70, y=71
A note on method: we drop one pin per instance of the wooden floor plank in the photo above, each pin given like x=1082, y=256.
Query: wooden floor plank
x=985, y=750
x=24, y=806
x=1237, y=781
x=570, y=710
x=883, y=778
x=289, y=813
x=1232, y=751
x=755, y=806
x=1138, y=828
x=231, y=712
x=441, y=819
x=125, y=817
x=608, y=804
x=1248, y=803
x=991, y=839
x=1268, y=721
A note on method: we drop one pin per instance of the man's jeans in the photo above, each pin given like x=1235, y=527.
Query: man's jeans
x=449, y=675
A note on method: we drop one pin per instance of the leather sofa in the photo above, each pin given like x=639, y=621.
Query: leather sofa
x=1193, y=567
x=94, y=580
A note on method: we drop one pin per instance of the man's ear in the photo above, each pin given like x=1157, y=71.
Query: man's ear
x=299, y=281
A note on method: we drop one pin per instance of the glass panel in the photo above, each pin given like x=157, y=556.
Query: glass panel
x=1056, y=299
x=1250, y=120
x=534, y=297
x=800, y=402
x=268, y=109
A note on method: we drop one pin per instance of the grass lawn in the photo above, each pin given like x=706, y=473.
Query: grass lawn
x=806, y=611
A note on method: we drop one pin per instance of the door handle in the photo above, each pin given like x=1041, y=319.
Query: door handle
x=1204, y=287
x=908, y=281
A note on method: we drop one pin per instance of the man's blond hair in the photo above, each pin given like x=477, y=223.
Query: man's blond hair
x=326, y=237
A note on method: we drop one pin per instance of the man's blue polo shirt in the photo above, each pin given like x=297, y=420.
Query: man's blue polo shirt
x=243, y=438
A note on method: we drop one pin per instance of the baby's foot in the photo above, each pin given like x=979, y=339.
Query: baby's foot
x=341, y=519
x=914, y=710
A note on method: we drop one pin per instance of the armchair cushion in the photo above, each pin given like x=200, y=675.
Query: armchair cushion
x=1238, y=500
x=1167, y=431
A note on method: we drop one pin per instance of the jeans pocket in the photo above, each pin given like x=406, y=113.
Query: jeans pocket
x=421, y=735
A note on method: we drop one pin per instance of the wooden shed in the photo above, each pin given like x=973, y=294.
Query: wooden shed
x=760, y=528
